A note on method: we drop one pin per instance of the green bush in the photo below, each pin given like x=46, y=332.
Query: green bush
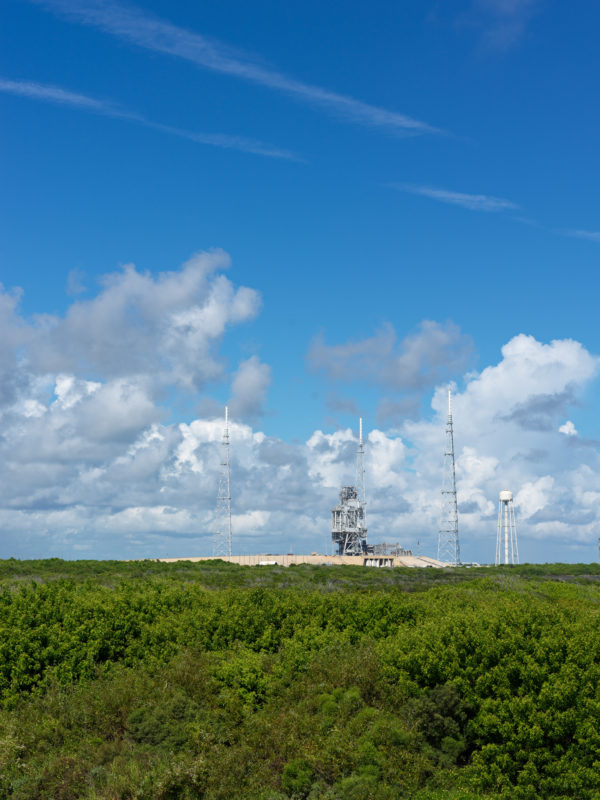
x=147, y=680
x=297, y=778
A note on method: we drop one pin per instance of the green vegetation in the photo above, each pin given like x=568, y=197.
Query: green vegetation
x=208, y=680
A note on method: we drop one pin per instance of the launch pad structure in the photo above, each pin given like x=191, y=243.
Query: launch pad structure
x=348, y=528
x=318, y=559
x=349, y=524
x=348, y=519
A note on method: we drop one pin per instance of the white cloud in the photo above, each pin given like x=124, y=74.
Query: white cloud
x=474, y=202
x=64, y=97
x=592, y=236
x=157, y=35
x=165, y=327
x=435, y=352
x=330, y=458
x=502, y=23
x=89, y=464
x=75, y=282
x=568, y=429
x=507, y=437
x=82, y=427
x=55, y=94
x=249, y=388
x=69, y=390
x=118, y=411
x=534, y=496
x=14, y=335
x=386, y=460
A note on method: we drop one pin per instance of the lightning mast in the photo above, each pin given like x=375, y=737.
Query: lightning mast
x=360, y=470
x=222, y=536
x=448, y=542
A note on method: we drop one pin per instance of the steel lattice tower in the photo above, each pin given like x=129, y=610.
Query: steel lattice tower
x=222, y=535
x=448, y=542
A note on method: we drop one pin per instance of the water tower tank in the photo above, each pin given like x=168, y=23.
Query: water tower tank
x=506, y=496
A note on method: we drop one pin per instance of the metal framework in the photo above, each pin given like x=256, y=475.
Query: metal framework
x=222, y=535
x=506, y=537
x=349, y=522
x=390, y=549
x=448, y=541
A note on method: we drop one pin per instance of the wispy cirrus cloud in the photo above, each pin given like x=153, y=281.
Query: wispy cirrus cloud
x=504, y=21
x=153, y=33
x=55, y=94
x=592, y=236
x=64, y=97
x=501, y=23
x=474, y=202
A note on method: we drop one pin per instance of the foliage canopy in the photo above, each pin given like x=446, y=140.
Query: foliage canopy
x=208, y=680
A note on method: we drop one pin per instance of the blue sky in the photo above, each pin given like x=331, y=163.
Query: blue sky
x=405, y=188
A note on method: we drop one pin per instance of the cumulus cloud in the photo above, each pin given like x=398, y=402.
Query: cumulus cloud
x=435, y=352
x=568, y=429
x=506, y=437
x=337, y=402
x=540, y=411
x=84, y=439
x=249, y=388
x=502, y=441
x=90, y=465
x=14, y=334
x=165, y=327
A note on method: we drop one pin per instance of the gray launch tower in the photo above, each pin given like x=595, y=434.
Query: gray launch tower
x=448, y=542
x=349, y=523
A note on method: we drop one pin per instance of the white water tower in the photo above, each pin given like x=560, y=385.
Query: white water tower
x=506, y=538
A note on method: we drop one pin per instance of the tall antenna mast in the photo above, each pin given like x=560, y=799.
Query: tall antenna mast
x=360, y=466
x=448, y=543
x=222, y=536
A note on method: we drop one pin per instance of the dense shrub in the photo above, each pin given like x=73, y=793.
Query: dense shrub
x=146, y=680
